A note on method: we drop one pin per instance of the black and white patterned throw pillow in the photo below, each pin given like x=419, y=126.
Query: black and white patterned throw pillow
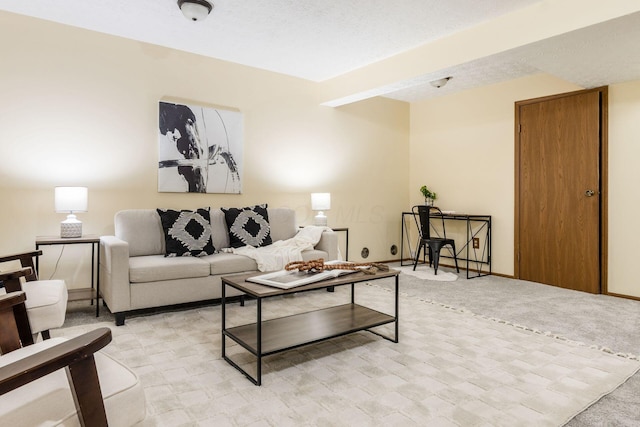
x=248, y=226
x=187, y=233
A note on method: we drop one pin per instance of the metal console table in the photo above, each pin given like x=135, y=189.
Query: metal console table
x=476, y=247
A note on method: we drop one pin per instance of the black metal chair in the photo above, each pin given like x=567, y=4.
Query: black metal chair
x=422, y=215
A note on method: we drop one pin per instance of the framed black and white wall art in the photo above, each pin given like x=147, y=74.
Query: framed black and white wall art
x=199, y=149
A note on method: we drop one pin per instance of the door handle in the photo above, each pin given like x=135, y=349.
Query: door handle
x=589, y=193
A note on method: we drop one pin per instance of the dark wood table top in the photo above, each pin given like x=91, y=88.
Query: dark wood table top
x=57, y=240
x=261, y=291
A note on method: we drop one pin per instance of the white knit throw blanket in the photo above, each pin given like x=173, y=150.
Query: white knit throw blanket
x=280, y=253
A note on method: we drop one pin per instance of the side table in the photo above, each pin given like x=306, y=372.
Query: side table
x=345, y=230
x=84, y=293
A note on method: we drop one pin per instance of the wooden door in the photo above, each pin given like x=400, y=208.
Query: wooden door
x=558, y=190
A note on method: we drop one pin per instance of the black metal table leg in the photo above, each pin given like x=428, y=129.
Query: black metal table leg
x=223, y=302
x=259, y=343
x=397, y=314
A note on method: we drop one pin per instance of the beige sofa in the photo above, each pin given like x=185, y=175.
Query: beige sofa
x=135, y=274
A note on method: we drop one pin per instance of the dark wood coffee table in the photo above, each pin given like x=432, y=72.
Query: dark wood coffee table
x=265, y=337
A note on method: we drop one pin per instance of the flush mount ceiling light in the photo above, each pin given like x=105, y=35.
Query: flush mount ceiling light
x=440, y=82
x=195, y=10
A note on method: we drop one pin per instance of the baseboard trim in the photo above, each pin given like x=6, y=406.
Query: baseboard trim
x=493, y=273
x=613, y=294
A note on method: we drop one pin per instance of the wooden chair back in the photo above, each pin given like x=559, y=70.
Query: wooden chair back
x=75, y=355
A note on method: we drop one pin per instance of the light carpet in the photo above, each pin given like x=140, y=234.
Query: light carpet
x=450, y=367
x=425, y=272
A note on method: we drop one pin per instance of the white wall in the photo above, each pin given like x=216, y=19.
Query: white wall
x=462, y=146
x=81, y=108
x=624, y=194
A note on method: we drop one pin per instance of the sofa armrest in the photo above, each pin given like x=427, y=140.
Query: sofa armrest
x=329, y=244
x=114, y=273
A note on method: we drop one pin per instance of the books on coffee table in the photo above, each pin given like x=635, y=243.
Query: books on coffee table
x=284, y=279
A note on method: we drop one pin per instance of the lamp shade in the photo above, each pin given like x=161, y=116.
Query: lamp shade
x=71, y=199
x=320, y=201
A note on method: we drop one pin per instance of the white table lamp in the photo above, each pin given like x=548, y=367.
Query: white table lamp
x=71, y=199
x=320, y=202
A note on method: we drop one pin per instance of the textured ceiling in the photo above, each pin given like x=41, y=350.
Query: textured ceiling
x=594, y=56
x=318, y=40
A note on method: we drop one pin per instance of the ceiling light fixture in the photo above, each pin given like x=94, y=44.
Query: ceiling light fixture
x=195, y=10
x=440, y=82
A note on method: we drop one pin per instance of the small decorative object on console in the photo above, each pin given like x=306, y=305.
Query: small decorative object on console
x=71, y=199
x=429, y=196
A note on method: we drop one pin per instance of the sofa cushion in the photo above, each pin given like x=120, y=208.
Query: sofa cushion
x=186, y=233
x=141, y=229
x=248, y=226
x=282, y=222
x=219, y=230
x=314, y=254
x=282, y=225
x=228, y=263
x=153, y=268
x=46, y=303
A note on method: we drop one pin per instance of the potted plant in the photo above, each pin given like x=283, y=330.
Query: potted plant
x=429, y=196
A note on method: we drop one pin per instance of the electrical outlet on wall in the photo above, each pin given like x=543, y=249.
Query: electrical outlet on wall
x=476, y=243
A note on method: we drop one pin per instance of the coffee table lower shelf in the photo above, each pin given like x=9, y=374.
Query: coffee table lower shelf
x=265, y=337
x=286, y=333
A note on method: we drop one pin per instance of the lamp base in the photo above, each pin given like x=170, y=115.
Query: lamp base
x=71, y=227
x=320, y=219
